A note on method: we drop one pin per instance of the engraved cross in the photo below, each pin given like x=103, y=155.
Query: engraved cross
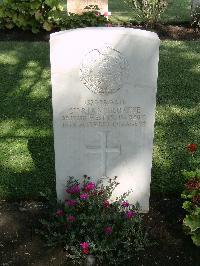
x=103, y=150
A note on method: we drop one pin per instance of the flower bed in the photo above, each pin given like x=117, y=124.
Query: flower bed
x=88, y=223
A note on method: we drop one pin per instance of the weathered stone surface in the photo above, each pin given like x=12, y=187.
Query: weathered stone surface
x=104, y=98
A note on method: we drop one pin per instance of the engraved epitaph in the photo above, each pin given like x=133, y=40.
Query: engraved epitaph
x=104, y=98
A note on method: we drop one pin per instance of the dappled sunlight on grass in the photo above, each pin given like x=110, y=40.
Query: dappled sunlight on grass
x=159, y=160
x=27, y=162
x=31, y=71
x=177, y=115
x=184, y=111
x=27, y=157
x=9, y=127
x=195, y=70
x=9, y=59
x=194, y=132
x=23, y=128
x=18, y=158
x=41, y=90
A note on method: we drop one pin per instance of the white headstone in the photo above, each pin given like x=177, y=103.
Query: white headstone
x=104, y=84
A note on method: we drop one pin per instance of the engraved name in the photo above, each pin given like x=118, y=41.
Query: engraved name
x=103, y=113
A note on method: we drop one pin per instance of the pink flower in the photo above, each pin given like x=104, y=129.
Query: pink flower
x=71, y=218
x=105, y=14
x=73, y=189
x=84, y=245
x=98, y=14
x=108, y=230
x=59, y=213
x=84, y=196
x=125, y=204
x=130, y=214
x=106, y=204
x=89, y=186
x=71, y=202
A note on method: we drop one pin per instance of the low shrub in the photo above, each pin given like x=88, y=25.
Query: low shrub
x=148, y=11
x=29, y=15
x=45, y=15
x=89, y=224
x=90, y=18
x=191, y=196
x=196, y=18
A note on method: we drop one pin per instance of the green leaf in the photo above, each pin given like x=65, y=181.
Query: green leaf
x=196, y=239
x=51, y=3
x=38, y=15
x=197, y=211
x=187, y=205
x=192, y=221
x=35, y=30
x=47, y=26
x=35, y=5
x=9, y=25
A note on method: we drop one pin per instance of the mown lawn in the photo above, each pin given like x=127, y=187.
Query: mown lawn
x=27, y=156
x=176, y=11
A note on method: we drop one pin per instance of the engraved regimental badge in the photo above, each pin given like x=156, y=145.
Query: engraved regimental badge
x=104, y=70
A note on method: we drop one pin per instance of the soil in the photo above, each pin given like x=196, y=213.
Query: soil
x=171, y=32
x=21, y=246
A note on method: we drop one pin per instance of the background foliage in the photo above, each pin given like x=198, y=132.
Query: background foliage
x=147, y=11
x=191, y=196
x=29, y=15
x=51, y=14
x=196, y=17
x=46, y=15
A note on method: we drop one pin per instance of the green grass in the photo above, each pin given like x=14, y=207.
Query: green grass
x=178, y=112
x=26, y=163
x=177, y=11
x=27, y=157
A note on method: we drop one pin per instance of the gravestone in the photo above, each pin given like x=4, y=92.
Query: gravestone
x=77, y=6
x=104, y=98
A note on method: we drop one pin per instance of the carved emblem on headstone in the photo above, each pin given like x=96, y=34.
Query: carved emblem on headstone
x=104, y=70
